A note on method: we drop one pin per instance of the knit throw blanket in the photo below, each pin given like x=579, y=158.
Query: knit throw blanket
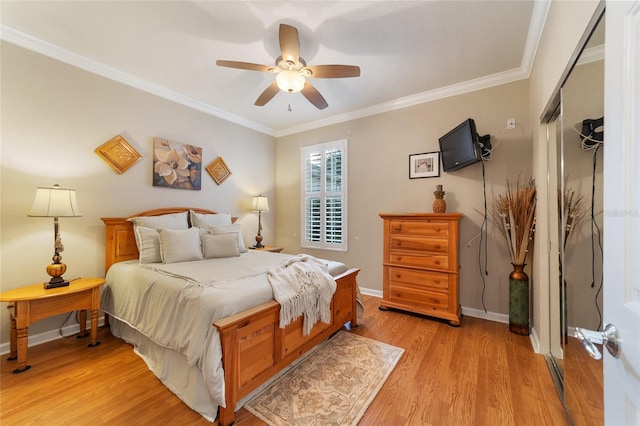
x=302, y=286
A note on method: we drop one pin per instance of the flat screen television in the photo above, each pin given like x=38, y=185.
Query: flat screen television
x=462, y=146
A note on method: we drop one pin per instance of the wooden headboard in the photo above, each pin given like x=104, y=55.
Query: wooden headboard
x=120, y=243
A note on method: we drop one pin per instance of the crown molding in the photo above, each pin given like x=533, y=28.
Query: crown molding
x=591, y=54
x=536, y=26
x=538, y=19
x=407, y=101
x=63, y=55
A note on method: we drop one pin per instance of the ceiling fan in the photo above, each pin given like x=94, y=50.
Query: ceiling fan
x=292, y=71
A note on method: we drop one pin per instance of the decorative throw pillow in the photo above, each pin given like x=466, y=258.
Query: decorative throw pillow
x=165, y=221
x=220, y=245
x=148, y=245
x=203, y=220
x=180, y=245
x=227, y=229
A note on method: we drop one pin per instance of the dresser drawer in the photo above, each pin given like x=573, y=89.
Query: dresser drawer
x=430, y=228
x=421, y=260
x=434, y=280
x=412, y=296
x=409, y=242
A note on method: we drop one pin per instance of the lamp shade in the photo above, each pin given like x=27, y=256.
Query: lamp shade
x=55, y=202
x=260, y=204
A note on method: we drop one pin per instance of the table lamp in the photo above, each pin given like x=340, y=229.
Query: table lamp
x=259, y=204
x=55, y=202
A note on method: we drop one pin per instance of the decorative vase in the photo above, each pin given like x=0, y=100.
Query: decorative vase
x=519, y=301
x=439, y=204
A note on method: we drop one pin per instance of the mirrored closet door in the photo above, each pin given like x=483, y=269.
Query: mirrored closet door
x=576, y=146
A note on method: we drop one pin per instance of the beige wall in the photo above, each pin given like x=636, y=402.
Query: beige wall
x=54, y=116
x=564, y=28
x=379, y=149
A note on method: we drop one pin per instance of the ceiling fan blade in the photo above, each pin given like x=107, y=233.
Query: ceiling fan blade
x=268, y=94
x=289, y=43
x=312, y=94
x=243, y=65
x=334, y=71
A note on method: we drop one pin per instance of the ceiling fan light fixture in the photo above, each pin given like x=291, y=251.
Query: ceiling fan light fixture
x=290, y=81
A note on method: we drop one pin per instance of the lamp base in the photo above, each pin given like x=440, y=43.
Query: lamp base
x=258, y=241
x=56, y=282
x=55, y=270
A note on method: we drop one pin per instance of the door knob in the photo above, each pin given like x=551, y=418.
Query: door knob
x=609, y=337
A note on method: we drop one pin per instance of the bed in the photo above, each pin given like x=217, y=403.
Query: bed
x=244, y=344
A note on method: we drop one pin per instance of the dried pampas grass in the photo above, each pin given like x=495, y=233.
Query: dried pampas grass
x=574, y=206
x=514, y=214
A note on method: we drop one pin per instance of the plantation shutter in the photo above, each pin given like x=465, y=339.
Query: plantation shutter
x=324, y=196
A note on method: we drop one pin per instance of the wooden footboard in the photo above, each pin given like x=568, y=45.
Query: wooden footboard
x=255, y=348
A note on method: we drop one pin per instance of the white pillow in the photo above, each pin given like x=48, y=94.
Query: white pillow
x=206, y=220
x=220, y=245
x=180, y=245
x=148, y=241
x=227, y=229
x=165, y=221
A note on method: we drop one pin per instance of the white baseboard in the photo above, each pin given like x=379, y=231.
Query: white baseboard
x=535, y=340
x=369, y=292
x=48, y=336
x=490, y=316
x=476, y=313
x=75, y=328
x=471, y=312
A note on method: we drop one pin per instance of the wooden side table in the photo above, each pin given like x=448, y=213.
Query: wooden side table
x=269, y=248
x=34, y=302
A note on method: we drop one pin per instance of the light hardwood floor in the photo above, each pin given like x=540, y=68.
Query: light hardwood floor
x=477, y=374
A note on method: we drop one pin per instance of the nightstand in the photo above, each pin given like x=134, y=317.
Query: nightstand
x=269, y=248
x=34, y=302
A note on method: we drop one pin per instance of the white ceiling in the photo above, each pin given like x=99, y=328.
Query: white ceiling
x=408, y=51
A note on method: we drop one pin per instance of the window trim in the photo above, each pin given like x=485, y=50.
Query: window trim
x=305, y=151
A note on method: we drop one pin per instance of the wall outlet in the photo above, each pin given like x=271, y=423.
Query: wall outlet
x=511, y=123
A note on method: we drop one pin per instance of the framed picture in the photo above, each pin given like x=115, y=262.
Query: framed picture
x=176, y=165
x=218, y=170
x=424, y=165
x=117, y=153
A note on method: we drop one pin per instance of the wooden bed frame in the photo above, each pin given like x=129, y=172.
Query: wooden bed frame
x=254, y=347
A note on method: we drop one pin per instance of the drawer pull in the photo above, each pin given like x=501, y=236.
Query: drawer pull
x=437, y=246
x=398, y=276
x=398, y=243
x=437, y=281
x=398, y=258
x=397, y=228
x=437, y=262
x=437, y=229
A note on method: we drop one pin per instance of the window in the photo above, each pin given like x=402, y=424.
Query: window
x=324, y=195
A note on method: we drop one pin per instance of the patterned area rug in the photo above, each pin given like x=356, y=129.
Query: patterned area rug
x=332, y=385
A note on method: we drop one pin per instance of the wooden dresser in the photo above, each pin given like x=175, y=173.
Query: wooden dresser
x=420, y=264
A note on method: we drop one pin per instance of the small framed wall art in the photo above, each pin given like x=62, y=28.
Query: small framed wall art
x=218, y=170
x=424, y=165
x=117, y=153
x=176, y=165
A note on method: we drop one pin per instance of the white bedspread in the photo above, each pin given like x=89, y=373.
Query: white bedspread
x=175, y=305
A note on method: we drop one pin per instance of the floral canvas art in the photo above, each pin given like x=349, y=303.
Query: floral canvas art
x=176, y=165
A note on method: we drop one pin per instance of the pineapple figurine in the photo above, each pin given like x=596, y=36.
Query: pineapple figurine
x=439, y=204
